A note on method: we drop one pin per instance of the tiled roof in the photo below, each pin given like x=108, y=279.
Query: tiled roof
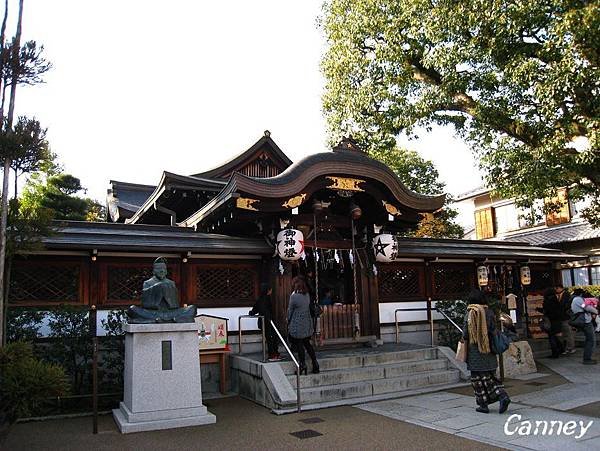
x=578, y=231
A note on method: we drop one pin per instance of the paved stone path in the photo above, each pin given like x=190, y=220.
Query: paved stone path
x=455, y=413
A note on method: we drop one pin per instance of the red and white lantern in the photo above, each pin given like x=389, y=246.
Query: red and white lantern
x=290, y=244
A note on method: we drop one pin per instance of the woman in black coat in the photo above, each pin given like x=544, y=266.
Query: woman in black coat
x=555, y=313
x=263, y=307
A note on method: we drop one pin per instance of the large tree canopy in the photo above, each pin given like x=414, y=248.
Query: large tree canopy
x=421, y=176
x=518, y=80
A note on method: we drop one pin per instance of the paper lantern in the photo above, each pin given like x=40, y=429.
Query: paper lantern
x=482, y=276
x=385, y=247
x=525, y=276
x=290, y=244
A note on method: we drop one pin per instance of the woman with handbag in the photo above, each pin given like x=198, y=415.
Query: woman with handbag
x=300, y=324
x=478, y=329
x=556, y=315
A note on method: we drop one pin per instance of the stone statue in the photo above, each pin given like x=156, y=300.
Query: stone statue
x=160, y=302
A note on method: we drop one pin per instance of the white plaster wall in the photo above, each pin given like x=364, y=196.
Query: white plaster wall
x=386, y=312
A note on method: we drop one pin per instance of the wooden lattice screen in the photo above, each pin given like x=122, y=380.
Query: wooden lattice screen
x=454, y=281
x=121, y=283
x=400, y=283
x=541, y=279
x=232, y=284
x=40, y=283
x=124, y=283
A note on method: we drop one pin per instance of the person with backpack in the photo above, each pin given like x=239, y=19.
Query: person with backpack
x=564, y=299
x=482, y=362
x=579, y=307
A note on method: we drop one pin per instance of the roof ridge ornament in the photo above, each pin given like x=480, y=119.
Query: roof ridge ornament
x=348, y=144
x=267, y=133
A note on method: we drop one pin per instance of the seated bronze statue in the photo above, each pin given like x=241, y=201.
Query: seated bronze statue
x=160, y=302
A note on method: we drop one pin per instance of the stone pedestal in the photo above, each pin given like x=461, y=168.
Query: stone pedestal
x=162, y=379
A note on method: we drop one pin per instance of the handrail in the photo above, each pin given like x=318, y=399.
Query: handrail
x=264, y=350
x=422, y=309
x=449, y=319
x=295, y=363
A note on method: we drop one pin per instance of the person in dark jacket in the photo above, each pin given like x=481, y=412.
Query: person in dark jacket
x=479, y=325
x=568, y=337
x=263, y=307
x=300, y=324
x=556, y=314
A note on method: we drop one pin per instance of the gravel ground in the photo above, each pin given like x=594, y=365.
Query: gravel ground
x=242, y=425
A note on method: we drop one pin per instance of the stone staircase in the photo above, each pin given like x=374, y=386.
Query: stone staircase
x=352, y=377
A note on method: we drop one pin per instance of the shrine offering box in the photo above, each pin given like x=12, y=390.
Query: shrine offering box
x=212, y=332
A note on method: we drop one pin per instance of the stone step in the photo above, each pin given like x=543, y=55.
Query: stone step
x=426, y=379
x=328, y=393
x=349, y=375
x=363, y=360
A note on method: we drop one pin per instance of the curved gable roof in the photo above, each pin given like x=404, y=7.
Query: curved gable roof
x=300, y=174
x=224, y=171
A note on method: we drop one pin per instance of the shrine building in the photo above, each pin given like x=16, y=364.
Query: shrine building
x=336, y=217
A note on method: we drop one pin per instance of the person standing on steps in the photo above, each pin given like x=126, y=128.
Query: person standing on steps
x=300, y=324
x=263, y=307
x=480, y=323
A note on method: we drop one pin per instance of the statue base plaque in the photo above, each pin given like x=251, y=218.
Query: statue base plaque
x=162, y=379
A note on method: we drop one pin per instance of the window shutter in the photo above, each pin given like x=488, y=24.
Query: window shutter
x=484, y=223
x=563, y=215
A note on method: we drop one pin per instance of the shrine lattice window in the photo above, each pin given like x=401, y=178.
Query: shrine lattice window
x=233, y=285
x=397, y=283
x=452, y=281
x=31, y=283
x=125, y=282
x=541, y=279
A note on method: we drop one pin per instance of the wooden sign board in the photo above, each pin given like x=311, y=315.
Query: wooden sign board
x=212, y=332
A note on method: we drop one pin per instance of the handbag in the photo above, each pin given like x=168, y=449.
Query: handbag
x=461, y=351
x=577, y=320
x=499, y=343
x=545, y=324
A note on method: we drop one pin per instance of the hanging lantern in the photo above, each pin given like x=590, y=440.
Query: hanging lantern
x=525, y=276
x=482, y=276
x=385, y=247
x=290, y=244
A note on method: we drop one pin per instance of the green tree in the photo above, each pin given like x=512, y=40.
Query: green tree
x=31, y=151
x=420, y=175
x=18, y=65
x=57, y=192
x=519, y=81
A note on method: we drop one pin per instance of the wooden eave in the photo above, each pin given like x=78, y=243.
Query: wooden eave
x=298, y=176
x=225, y=170
x=169, y=180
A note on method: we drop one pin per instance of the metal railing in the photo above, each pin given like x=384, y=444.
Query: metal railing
x=449, y=319
x=295, y=363
x=264, y=347
x=422, y=309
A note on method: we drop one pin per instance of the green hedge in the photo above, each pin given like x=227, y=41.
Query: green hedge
x=26, y=382
x=594, y=290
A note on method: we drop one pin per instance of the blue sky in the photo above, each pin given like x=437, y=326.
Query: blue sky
x=139, y=87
